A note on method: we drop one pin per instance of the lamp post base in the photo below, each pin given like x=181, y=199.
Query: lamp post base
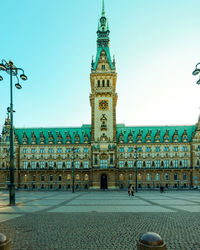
x=12, y=194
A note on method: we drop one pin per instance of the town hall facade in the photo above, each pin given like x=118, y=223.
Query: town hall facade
x=103, y=155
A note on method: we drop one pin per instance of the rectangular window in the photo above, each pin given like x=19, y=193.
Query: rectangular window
x=121, y=150
x=42, y=150
x=33, y=165
x=185, y=148
x=175, y=149
x=77, y=164
x=68, y=150
x=25, y=164
x=50, y=150
x=166, y=164
x=139, y=163
x=148, y=164
x=60, y=165
x=103, y=164
x=33, y=150
x=76, y=150
x=130, y=164
x=139, y=149
x=42, y=178
x=85, y=150
x=42, y=164
x=50, y=164
x=185, y=163
x=175, y=163
x=24, y=150
x=59, y=150
x=68, y=164
x=130, y=149
x=148, y=149
x=157, y=149
x=86, y=164
x=51, y=177
x=184, y=177
x=166, y=149
x=121, y=164
x=157, y=163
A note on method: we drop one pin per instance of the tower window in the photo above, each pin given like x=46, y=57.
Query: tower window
x=103, y=67
x=107, y=83
x=98, y=83
x=103, y=83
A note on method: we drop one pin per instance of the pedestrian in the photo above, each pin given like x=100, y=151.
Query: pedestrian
x=129, y=186
x=131, y=190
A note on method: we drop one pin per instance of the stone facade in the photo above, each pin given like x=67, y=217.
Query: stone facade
x=104, y=154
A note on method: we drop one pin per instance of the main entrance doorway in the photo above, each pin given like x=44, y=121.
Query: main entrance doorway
x=104, y=182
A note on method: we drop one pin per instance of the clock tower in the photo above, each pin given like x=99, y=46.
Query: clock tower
x=103, y=100
x=103, y=97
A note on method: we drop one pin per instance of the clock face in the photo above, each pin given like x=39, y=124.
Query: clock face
x=103, y=105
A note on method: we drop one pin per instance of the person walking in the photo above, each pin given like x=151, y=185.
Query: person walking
x=131, y=190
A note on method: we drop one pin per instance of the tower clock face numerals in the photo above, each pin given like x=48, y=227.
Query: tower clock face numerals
x=103, y=105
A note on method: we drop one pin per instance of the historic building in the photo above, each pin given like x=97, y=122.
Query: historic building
x=103, y=154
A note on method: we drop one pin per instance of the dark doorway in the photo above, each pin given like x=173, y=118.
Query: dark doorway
x=104, y=183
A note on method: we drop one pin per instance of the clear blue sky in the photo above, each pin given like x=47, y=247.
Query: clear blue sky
x=156, y=44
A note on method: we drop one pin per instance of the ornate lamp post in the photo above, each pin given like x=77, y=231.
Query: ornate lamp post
x=136, y=160
x=196, y=72
x=73, y=170
x=12, y=70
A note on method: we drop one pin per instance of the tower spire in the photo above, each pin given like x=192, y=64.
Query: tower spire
x=103, y=9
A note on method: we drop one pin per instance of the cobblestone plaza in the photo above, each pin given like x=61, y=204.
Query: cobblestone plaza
x=100, y=220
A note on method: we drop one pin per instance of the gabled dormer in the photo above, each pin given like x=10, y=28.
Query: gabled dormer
x=77, y=138
x=166, y=136
x=42, y=138
x=24, y=139
x=50, y=139
x=139, y=137
x=68, y=138
x=157, y=136
x=130, y=137
x=85, y=138
x=33, y=138
x=148, y=136
x=121, y=137
x=59, y=138
x=184, y=136
x=175, y=136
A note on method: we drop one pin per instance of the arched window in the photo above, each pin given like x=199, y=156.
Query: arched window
x=121, y=177
x=157, y=177
x=148, y=177
x=166, y=177
x=68, y=177
x=103, y=83
x=60, y=178
x=108, y=83
x=77, y=177
x=86, y=177
x=98, y=83
x=130, y=177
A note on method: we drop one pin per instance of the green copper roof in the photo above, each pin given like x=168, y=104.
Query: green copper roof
x=153, y=130
x=103, y=40
x=81, y=131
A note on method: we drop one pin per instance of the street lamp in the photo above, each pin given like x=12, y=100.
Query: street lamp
x=73, y=170
x=196, y=72
x=12, y=70
x=136, y=158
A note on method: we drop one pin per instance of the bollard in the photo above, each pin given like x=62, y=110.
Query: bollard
x=151, y=241
x=4, y=242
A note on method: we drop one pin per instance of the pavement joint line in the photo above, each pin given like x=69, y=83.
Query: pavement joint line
x=60, y=204
x=178, y=198
x=27, y=201
x=164, y=206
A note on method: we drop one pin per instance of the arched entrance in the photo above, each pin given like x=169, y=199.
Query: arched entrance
x=104, y=182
